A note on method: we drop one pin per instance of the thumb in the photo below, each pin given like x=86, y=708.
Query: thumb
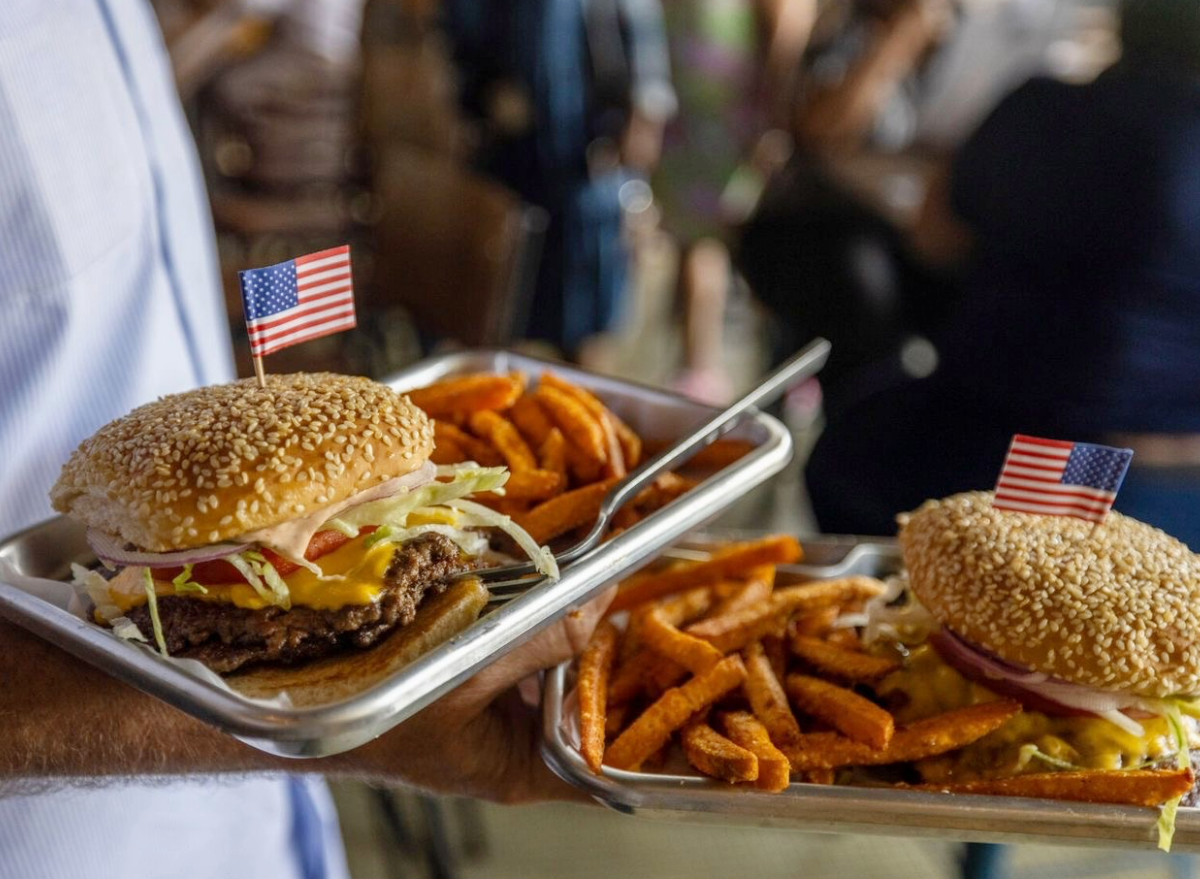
x=561, y=641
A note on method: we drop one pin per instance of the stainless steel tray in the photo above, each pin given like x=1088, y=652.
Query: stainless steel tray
x=844, y=809
x=320, y=728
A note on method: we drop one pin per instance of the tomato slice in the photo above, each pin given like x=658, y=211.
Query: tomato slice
x=220, y=571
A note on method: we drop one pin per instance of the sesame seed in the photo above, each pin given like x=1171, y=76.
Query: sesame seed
x=1111, y=605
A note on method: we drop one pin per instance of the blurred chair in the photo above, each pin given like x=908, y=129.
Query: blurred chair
x=458, y=251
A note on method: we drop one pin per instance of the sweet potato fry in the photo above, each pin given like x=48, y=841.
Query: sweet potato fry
x=726, y=563
x=501, y=433
x=745, y=730
x=614, y=721
x=816, y=623
x=477, y=450
x=720, y=454
x=583, y=470
x=689, y=651
x=776, y=652
x=567, y=511
x=447, y=451
x=468, y=393
x=628, y=679
x=717, y=756
x=620, y=440
x=529, y=417
x=595, y=667
x=654, y=727
x=640, y=667
x=631, y=444
x=1134, y=787
x=552, y=453
x=767, y=699
x=532, y=485
x=579, y=426
x=687, y=606
x=756, y=589
x=735, y=630
x=838, y=662
x=858, y=718
x=925, y=738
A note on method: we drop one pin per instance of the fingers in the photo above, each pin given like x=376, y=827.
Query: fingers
x=563, y=640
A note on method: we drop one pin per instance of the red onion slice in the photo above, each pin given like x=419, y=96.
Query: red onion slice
x=1050, y=695
x=110, y=548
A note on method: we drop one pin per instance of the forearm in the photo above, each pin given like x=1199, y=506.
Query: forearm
x=62, y=719
x=842, y=115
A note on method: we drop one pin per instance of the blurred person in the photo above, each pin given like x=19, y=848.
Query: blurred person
x=570, y=99
x=111, y=299
x=731, y=60
x=885, y=89
x=1074, y=215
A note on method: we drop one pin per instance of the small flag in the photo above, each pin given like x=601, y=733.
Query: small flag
x=298, y=300
x=1060, y=479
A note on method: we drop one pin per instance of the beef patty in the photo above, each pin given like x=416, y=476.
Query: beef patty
x=225, y=637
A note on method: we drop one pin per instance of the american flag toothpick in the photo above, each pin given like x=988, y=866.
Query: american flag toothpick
x=1060, y=478
x=298, y=300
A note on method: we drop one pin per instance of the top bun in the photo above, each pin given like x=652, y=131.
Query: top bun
x=217, y=462
x=1113, y=606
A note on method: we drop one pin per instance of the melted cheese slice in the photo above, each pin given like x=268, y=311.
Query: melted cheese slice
x=927, y=686
x=360, y=582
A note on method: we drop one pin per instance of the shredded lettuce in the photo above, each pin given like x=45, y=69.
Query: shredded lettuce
x=341, y=526
x=379, y=535
x=97, y=590
x=1166, y=823
x=152, y=601
x=1166, y=817
x=393, y=511
x=541, y=557
x=1033, y=752
x=126, y=629
x=276, y=590
x=246, y=569
x=185, y=583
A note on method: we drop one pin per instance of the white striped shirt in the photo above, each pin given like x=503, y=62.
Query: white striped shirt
x=109, y=297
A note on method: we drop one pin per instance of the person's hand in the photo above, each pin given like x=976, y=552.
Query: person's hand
x=482, y=739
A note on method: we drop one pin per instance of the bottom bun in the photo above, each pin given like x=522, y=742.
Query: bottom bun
x=349, y=673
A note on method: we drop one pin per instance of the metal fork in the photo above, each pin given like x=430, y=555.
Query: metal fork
x=508, y=580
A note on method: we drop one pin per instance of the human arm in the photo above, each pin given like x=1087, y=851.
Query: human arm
x=839, y=115
x=65, y=722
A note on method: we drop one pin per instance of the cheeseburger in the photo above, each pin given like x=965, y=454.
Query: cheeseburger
x=242, y=524
x=1092, y=627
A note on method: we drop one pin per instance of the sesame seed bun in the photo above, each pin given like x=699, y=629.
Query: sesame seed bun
x=1113, y=606
x=210, y=464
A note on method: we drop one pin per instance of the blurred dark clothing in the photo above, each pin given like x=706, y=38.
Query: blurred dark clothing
x=550, y=84
x=1083, y=308
x=1080, y=313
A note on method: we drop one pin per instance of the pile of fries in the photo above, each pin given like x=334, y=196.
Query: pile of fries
x=758, y=686
x=565, y=449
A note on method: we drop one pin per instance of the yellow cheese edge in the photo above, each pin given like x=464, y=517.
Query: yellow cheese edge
x=928, y=686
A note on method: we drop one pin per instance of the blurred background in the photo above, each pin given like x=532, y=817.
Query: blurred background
x=684, y=192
